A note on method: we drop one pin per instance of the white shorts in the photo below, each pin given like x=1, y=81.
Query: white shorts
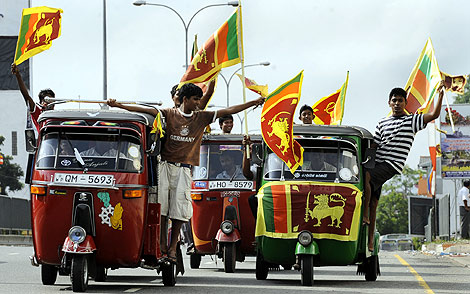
x=174, y=191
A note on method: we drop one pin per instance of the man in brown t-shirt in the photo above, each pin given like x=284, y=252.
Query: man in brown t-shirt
x=184, y=130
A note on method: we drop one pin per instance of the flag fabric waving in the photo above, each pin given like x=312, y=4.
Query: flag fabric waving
x=39, y=26
x=194, y=50
x=455, y=84
x=329, y=110
x=423, y=81
x=253, y=86
x=277, y=119
x=221, y=50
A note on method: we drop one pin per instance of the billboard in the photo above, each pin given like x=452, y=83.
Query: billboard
x=455, y=144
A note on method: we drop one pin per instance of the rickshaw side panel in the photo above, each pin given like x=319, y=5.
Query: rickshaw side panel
x=247, y=224
x=206, y=220
x=47, y=217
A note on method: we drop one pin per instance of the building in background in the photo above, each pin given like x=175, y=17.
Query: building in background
x=13, y=109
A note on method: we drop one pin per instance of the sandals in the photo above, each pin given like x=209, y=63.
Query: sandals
x=171, y=259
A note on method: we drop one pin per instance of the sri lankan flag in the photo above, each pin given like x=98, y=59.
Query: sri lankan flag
x=39, y=26
x=276, y=122
x=157, y=125
x=221, y=50
x=253, y=86
x=287, y=208
x=423, y=81
x=329, y=110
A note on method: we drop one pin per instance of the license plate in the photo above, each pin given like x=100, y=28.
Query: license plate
x=241, y=185
x=84, y=179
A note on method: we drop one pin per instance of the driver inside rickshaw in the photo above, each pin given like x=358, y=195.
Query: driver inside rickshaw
x=230, y=170
x=316, y=159
x=105, y=148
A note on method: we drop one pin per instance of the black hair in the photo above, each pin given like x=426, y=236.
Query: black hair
x=466, y=183
x=46, y=93
x=174, y=90
x=189, y=90
x=305, y=107
x=397, y=92
x=224, y=118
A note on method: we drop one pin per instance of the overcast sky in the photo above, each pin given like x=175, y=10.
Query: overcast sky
x=377, y=41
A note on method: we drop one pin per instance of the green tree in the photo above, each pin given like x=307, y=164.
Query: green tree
x=392, y=211
x=465, y=97
x=9, y=173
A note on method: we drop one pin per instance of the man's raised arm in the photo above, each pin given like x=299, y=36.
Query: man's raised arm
x=237, y=108
x=27, y=99
x=137, y=108
x=437, y=108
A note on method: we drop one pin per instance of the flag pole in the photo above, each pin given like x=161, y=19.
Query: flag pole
x=242, y=62
x=448, y=110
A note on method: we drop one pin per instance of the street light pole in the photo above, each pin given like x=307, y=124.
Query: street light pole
x=186, y=26
x=227, y=83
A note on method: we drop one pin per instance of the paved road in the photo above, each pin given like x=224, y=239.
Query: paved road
x=402, y=272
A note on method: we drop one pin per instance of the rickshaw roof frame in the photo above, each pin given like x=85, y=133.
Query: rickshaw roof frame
x=328, y=130
x=213, y=138
x=98, y=114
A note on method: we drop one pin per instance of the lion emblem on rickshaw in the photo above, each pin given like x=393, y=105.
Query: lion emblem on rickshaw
x=323, y=209
x=280, y=129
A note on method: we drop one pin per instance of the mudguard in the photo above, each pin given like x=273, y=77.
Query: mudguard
x=310, y=249
x=86, y=247
x=234, y=236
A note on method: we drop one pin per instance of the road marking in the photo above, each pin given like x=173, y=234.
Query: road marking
x=14, y=253
x=132, y=290
x=415, y=273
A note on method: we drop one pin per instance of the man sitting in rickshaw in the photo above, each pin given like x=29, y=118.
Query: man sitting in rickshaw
x=231, y=171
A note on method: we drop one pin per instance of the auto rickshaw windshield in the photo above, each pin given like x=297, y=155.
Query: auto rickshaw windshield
x=322, y=161
x=100, y=151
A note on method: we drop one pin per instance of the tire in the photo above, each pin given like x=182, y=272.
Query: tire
x=48, y=274
x=229, y=255
x=372, y=268
x=195, y=260
x=306, y=270
x=262, y=268
x=79, y=273
x=169, y=275
x=101, y=274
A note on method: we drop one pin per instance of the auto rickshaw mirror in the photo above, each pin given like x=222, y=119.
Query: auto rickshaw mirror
x=369, y=158
x=30, y=139
x=257, y=154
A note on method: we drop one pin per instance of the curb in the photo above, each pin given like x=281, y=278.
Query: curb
x=16, y=240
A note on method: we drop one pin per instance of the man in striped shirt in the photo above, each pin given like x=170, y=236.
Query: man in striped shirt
x=393, y=138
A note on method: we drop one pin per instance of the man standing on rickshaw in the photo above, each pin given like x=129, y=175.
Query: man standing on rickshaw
x=393, y=138
x=180, y=151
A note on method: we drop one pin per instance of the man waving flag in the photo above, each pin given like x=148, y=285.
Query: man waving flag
x=276, y=122
x=39, y=26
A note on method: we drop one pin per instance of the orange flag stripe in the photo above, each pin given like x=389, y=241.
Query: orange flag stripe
x=280, y=208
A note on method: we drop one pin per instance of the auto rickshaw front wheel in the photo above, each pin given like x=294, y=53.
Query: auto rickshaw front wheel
x=169, y=274
x=79, y=273
x=230, y=254
x=48, y=274
x=306, y=269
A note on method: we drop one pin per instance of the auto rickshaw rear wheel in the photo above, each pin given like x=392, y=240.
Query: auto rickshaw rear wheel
x=48, y=274
x=169, y=274
x=230, y=255
x=101, y=274
x=262, y=267
x=195, y=260
x=306, y=269
x=372, y=268
x=79, y=273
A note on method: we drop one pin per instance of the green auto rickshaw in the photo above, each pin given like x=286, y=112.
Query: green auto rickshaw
x=313, y=217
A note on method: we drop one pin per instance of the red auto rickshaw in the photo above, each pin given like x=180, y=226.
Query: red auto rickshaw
x=223, y=222
x=93, y=195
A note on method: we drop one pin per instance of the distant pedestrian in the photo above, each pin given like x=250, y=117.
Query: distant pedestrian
x=464, y=203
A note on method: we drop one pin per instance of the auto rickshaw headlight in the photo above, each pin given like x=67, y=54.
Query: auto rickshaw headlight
x=77, y=234
x=305, y=238
x=227, y=227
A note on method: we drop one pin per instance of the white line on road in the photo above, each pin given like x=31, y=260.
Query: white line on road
x=132, y=290
x=14, y=253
